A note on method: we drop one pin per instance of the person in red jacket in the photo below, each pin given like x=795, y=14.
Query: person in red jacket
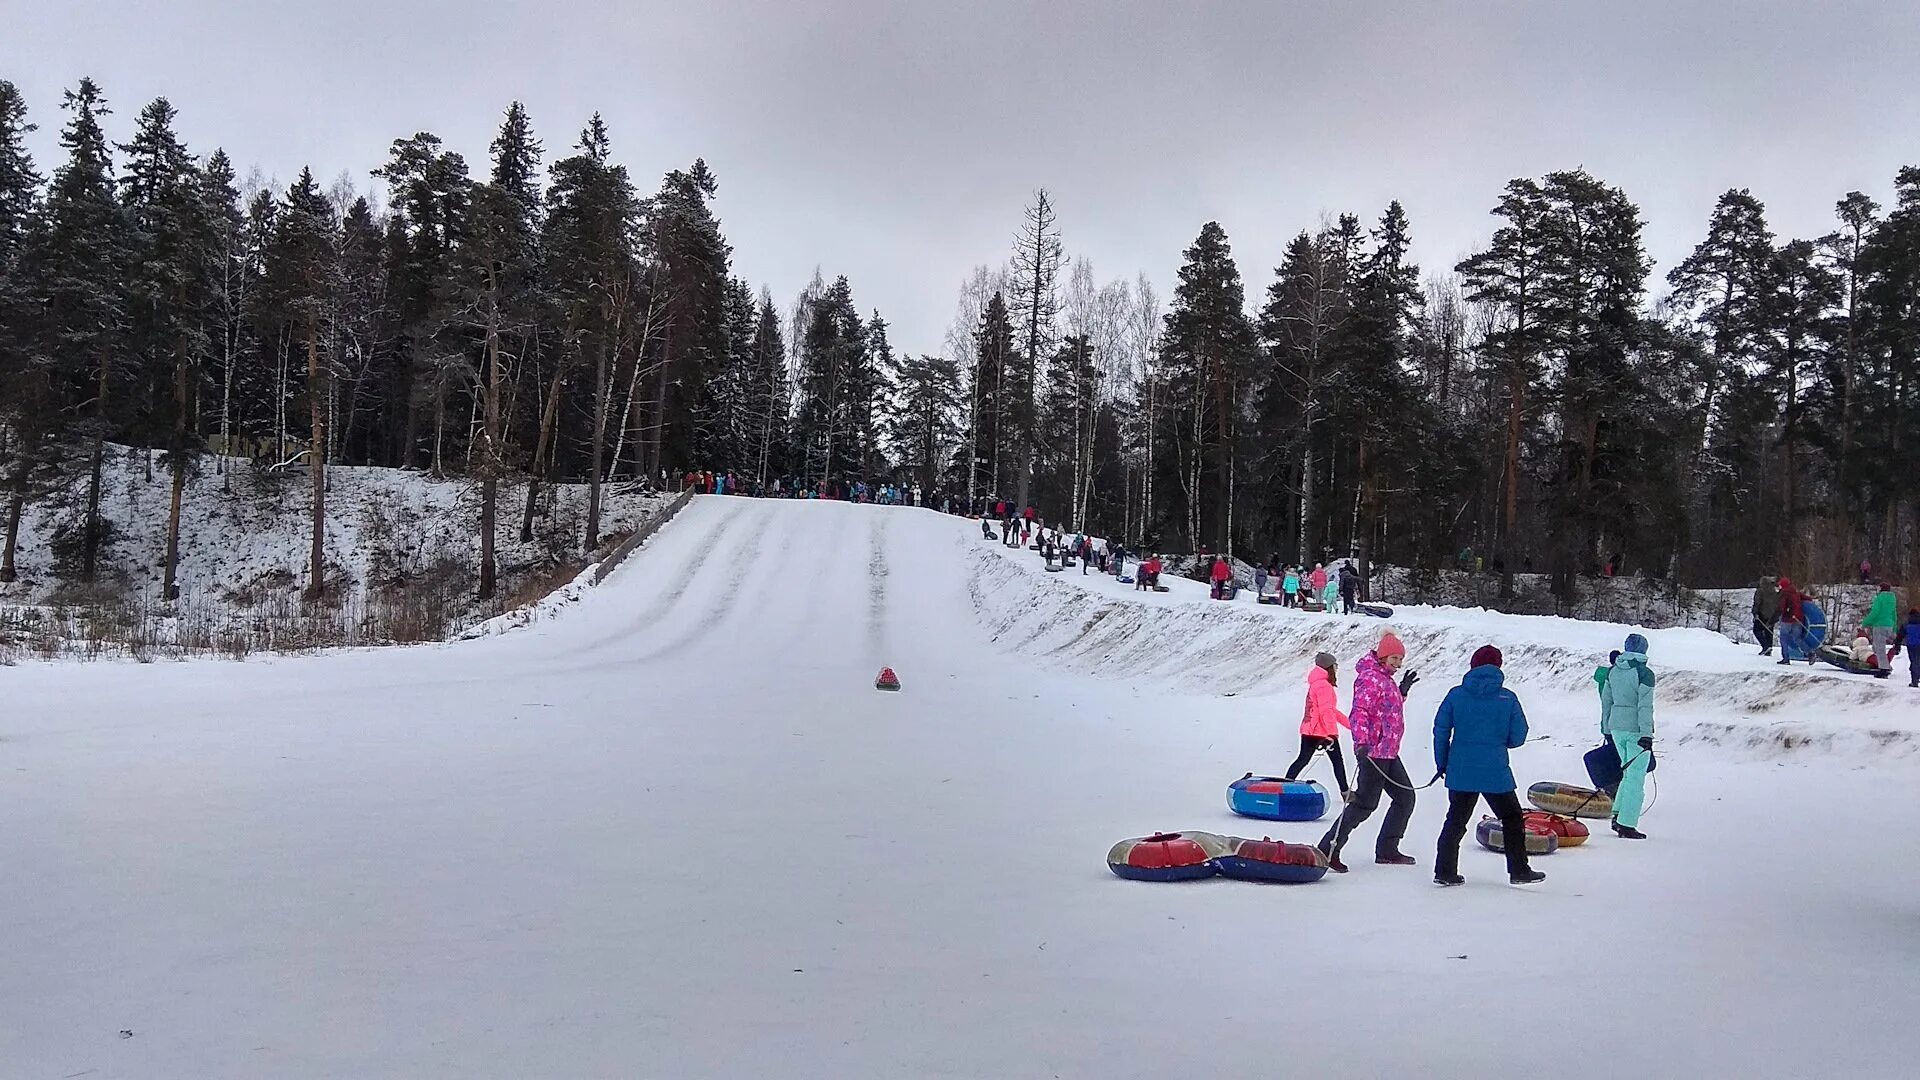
x=1320, y=725
x=1221, y=574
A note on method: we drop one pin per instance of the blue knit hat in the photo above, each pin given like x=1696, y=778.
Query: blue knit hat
x=1636, y=643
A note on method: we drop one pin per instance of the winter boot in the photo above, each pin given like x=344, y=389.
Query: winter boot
x=1333, y=860
x=1394, y=858
x=1627, y=833
x=1526, y=877
x=1449, y=879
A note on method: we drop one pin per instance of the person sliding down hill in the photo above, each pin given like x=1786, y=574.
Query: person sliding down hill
x=1320, y=725
x=1478, y=722
x=1626, y=717
x=1378, y=723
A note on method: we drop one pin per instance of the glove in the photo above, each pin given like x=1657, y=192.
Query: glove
x=1407, y=680
x=1646, y=742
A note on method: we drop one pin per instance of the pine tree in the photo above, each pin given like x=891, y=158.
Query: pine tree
x=1037, y=259
x=592, y=216
x=75, y=268
x=428, y=195
x=691, y=260
x=171, y=291
x=307, y=246
x=1306, y=307
x=1208, y=349
x=993, y=423
x=926, y=423
x=1507, y=277
x=768, y=397
x=25, y=391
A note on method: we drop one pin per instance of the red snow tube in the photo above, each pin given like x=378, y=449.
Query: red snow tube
x=1267, y=859
x=1540, y=841
x=1162, y=857
x=1572, y=833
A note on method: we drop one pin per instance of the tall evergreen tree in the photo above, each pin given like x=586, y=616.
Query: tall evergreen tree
x=26, y=392
x=926, y=422
x=307, y=248
x=75, y=267
x=171, y=287
x=1208, y=349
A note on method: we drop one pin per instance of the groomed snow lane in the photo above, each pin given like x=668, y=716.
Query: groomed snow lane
x=675, y=833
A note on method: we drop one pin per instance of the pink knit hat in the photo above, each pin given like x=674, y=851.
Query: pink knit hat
x=1389, y=646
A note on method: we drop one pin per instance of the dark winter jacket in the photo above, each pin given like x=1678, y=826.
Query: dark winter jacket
x=1766, y=602
x=1910, y=633
x=1478, y=722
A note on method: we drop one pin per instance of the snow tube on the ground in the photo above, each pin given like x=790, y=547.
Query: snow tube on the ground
x=1493, y=838
x=1570, y=800
x=1166, y=856
x=1843, y=659
x=1275, y=798
x=1267, y=859
x=1161, y=588
x=1378, y=611
x=1572, y=833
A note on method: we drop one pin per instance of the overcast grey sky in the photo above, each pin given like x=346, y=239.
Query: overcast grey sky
x=897, y=142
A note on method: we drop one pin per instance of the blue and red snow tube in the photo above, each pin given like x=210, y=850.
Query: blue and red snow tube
x=1267, y=859
x=1181, y=856
x=1275, y=798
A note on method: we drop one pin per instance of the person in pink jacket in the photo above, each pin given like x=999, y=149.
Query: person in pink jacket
x=1379, y=721
x=1321, y=724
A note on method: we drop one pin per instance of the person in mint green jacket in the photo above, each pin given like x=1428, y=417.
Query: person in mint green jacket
x=1626, y=717
x=1882, y=616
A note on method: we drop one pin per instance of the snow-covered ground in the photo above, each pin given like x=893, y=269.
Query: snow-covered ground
x=675, y=833
x=246, y=540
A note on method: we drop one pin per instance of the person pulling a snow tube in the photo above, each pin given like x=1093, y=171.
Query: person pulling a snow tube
x=1479, y=721
x=1177, y=856
x=1626, y=717
x=1267, y=859
x=1379, y=723
x=1803, y=625
x=1276, y=798
x=1321, y=722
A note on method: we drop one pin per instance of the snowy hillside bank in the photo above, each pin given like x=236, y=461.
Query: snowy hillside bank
x=402, y=560
x=1711, y=689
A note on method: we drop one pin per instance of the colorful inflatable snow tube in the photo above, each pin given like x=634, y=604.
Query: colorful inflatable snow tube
x=1493, y=838
x=1267, y=859
x=1571, y=832
x=1275, y=798
x=1166, y=856
x=1798, y=642
x=1570, y=800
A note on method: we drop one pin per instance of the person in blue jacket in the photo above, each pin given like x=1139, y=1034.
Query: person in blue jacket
x=1910, y=638
x=1478, y=722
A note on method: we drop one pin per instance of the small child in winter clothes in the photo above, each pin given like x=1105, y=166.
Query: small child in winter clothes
x=1320, y=725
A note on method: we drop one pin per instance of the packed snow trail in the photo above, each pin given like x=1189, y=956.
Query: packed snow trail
x=676, y=834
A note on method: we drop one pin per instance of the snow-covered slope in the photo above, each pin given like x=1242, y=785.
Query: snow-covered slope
x=246, y=539
x=676, y=833
x=1725, y=691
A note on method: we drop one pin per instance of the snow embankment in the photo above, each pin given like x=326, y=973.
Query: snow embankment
x=1711, y=690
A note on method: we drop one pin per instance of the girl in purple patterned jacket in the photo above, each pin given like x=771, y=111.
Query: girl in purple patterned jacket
x=1379, y=721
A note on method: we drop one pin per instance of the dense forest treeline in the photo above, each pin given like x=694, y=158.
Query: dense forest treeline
x=1538, y=406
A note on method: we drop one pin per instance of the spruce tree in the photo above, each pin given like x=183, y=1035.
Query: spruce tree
x=1208, y=349
x=75, y=268
x=307, y=246
x=171, y=292
x=25, y=390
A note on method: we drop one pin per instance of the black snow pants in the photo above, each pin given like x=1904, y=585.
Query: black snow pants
x=1505, y=806
x=1377, y=776
x=1311, y=744
x=1763, y=633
